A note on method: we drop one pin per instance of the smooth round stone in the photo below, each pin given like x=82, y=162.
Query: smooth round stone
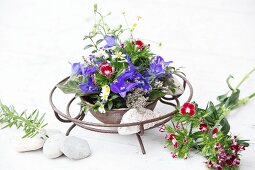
x=75, y=148
x=51, y=148
x=28, y=144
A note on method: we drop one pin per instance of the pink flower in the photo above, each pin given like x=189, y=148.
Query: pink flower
x=106, y=70
x=237, y=148
x=214, y=132
x=185, y=140
x=203, y=127
x=222, y=156
x=178, y=127
x=162, y=128
x=211, y=164
x=172, y=137
x=188, y=108
x=232, y=160
x=217, y=145
x=174, y=155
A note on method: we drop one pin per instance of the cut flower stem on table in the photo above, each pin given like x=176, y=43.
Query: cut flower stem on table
x=208, y=131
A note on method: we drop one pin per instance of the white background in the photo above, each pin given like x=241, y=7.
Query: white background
x=211, y=39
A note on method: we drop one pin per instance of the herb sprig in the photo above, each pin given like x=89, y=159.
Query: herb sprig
x=30, y=123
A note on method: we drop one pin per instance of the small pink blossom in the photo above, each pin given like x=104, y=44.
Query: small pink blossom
x=203, y=127
x=185, y=140
x=162, y=128
x=214, y=132
x=174, y=155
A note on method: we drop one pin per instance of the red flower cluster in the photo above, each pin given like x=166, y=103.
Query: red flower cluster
x=106, y=70
x=224, y=158
x=188, y=108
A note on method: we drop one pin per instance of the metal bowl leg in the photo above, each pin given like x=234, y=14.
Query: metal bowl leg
x=82, y=115
x=141, y=143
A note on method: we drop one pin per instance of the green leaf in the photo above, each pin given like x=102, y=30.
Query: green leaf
x=233, y=99
x=70, y=87
x=86, y=37
x=155, y=94
x=114, y=96
x=243, y=142
x=110, y=104
x=88, y=46
x=99, y=41
x=211, y=111
x=225, y=126
x=222, y=98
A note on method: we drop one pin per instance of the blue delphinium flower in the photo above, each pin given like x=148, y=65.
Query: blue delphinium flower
x=141, y=81
x=110, y=41
x=129, y=80
x=77, y=68
x=128, y=74
x=122, y=87
x=88, y=70
x=89, y=87
x=157, y=68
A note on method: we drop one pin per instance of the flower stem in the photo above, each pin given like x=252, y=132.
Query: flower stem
x=245, y=78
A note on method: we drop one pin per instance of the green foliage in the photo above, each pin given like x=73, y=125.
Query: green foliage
x=70, y=87
x=140, y=57
x=31, y=124
x=155, y=94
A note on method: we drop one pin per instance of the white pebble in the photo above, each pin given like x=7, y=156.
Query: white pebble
x=75, y=148
x=28, y=144
x=51, y=148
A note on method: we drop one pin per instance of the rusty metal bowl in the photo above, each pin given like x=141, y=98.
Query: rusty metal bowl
x=113, y=116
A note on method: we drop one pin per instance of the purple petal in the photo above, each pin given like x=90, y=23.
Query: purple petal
x=123, y=94
x=114, y=88
x=130, y=86
x=76, y=67
x=110, y=41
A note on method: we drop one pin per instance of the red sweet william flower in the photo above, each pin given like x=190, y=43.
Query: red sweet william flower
x=162, y=128
x=237, y=148
x=232, y=160
x=203, y=127
x=139, y=44
x=106, y=70
x=214, y=132
x=174, y=155
x=217, y=145
x=188, y=108
x=172, y=137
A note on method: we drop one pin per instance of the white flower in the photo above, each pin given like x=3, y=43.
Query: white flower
x=101, y=53
x=101, y=108
x=105, y=92
x=106, y=89
x=119, y=55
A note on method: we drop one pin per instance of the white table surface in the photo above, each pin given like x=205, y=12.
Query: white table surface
x=211, y=39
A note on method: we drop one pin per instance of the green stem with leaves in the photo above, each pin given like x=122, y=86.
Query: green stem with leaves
x=31, y=124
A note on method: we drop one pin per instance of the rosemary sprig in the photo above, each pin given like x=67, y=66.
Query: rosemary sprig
x=31, y=124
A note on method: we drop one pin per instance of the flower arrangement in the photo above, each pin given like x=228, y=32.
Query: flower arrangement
x=117, y=67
